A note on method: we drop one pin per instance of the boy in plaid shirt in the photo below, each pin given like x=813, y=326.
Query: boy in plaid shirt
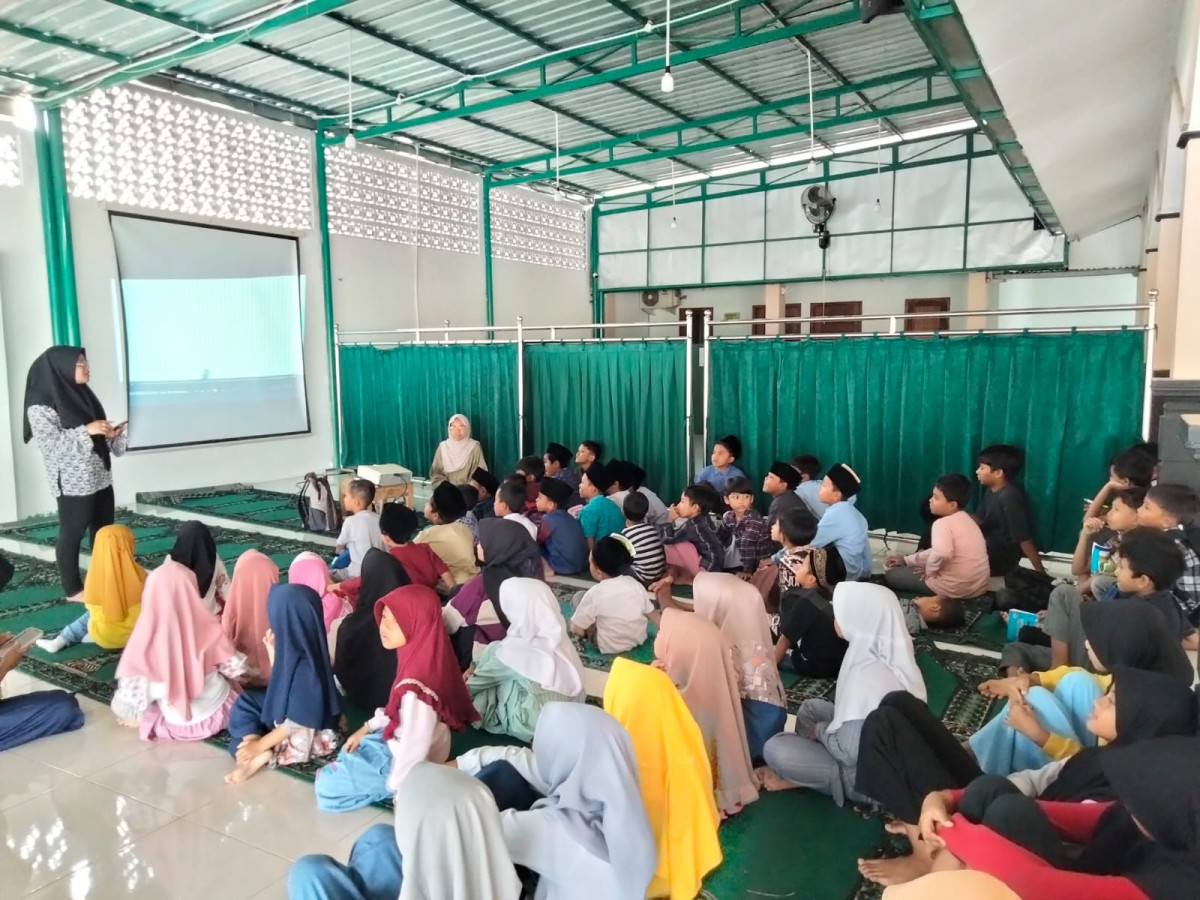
x=749, y=528
x=1172, y=508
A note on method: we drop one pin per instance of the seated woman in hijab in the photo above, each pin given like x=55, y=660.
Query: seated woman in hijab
x=245, y=617
x=448, y=844
x=365, y=669
x=196, y=549
x=822, y=753
x=428, y=699
x=457, y=456
x=505, y=551
x=692, y=652
x=1047, y=710
x=1143, y=844
x=906, y=753
x=588, y=837
x=112, y=595
x=534, y=664
x=176, y=678
x=736, y=608
x=446, y=535
x=674, y=775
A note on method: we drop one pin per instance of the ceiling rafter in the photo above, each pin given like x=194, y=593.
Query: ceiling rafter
x=546, y=47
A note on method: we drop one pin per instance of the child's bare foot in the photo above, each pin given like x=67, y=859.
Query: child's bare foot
x=246, y=769
x=772, y=782
x=900, y=870
x=75, y=598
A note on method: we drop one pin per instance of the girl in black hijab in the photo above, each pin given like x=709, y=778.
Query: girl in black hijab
x=77, y=444
x=364, y=668
x=196, y=549
x=505, y=551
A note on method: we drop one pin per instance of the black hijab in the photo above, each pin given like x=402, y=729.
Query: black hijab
x=507, y=547
x=51, y=382
x=1127, y=632
x=1158, y=783
x=1149, y=705
x=196, y=549
x=364, y=667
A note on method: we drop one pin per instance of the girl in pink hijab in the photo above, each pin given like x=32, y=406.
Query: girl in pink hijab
x=175, y=680
x=311, y=571
x=244, y=618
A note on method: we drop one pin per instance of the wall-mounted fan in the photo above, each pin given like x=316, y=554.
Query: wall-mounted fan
x=818, y=205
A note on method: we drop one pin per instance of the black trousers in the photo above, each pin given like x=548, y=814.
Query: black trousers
x=905, y=753
x=77, y=516
x=995, y=802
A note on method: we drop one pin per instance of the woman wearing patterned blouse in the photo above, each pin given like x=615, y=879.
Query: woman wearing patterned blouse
x=77, y=444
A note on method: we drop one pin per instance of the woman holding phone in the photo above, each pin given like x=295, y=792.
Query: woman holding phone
x=77, y=443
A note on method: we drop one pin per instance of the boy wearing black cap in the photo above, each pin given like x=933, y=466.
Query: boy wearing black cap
x=599, y=517
x=557, y=460
x=843, y=525
x=487, y=484
x=446, y=536
x=564, y=546
x=780, y=485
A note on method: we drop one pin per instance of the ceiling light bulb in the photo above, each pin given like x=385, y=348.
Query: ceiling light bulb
x=351, y=142
x=812, y=165
x=648, y=27
x=557, y=196
x=878, y=205
x=25, y=113
x=673, y=222
x=400, y=98
x=668, y=80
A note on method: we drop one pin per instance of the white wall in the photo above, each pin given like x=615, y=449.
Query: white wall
x=1068, y=291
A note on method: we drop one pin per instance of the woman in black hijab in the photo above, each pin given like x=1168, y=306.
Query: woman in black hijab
x=77, y=444
x=364, y=668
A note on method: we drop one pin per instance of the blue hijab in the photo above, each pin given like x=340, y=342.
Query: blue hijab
x=301, y=686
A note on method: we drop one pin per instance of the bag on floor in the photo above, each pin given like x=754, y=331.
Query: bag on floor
x=6, y=572
x=1025, y=589
x=317, y=506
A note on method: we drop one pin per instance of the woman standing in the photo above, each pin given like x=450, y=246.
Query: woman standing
x=77, y=444
x=457, y=456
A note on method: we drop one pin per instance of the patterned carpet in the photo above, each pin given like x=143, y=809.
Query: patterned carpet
x=238, y=502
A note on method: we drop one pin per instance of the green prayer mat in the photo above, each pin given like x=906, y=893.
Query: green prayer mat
x=239, y=502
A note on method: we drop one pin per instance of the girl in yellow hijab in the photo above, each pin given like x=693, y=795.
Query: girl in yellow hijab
x=112, y=595
x=675, y=775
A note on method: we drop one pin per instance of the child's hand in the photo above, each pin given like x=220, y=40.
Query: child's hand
x=1092, y=524
x=1021, y=718
x=248, y=748
x=893, y=561
x=469, y=672
x=935, y=815
x=672, y=513
x=355, y=739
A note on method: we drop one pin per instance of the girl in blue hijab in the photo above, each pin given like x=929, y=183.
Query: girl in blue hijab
x=294, y=718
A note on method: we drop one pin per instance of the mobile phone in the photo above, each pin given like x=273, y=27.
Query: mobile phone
x=22, y=641
x=119, y=424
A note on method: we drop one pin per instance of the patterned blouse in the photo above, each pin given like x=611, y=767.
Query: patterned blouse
x=73, y=469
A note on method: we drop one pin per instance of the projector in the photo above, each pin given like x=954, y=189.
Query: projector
x=385, y=475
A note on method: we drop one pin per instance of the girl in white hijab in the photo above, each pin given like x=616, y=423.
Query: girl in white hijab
x=458, y=456
x=533, y=665
x=822, y=754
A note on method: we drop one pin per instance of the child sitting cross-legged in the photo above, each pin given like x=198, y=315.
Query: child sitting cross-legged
x=613, y=614
x=294, y=718
x=1094, y=563
x=1173, y=508
x=842, y=523
x=446, y=536
x=749, y=528
x=532, y=469
x=599, y=517
x=397, y=525
x=1003, y=513
x=486, y=484
x=564, y=547
x=360, y=531
x=805, y=639
x=697, y=543
x=649, y=556
x=953, y=569
x=724, y=455
x=510, y=504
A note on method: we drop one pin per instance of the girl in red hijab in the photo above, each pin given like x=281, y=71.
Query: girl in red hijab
x=427, y=701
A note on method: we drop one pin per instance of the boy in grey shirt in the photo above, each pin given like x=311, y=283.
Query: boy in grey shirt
x=360, y=531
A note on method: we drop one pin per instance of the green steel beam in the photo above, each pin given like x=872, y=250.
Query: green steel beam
x=594, y=265
x=545, y=47
x=65, y=42
x=822, y=61
x=791, y=130
x=162, y=15
x=46, y=84
x=898, y=78
x=327, y=290
x=610, y=76
x=419, y=52
x=488, y=287
x=68, y=296
x=158, y=60
x=41, y=146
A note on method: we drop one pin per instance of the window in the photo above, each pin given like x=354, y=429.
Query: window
x=927, y=305
x=374, y=195
x=843, y=308
x=10, y=161
x=152, y=151
x=529, y=228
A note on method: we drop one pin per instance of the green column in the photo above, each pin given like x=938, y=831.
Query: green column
x=594, y=265
x=487, y=253
x=331, y=349
x=56, y=228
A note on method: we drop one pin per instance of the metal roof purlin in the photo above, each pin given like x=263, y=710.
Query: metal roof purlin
x=545, y=47
x=907, y=77
x=718, y=48
x=153, y=12
x=65, y=42
x=46, y=84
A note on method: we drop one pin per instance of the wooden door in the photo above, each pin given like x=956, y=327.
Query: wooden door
x=697, y=316
x=927, y=305
x=840, y=308
x=793, y=311
x=758, y=311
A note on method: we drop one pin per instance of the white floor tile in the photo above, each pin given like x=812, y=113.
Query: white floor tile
x=49, y=836
x=276, y=891
x=22, y=778
x=181, y=861
x=278, y=813
x=179, y=777
x=100, y=743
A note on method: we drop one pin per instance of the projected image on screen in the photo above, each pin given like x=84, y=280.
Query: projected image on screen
x=213, y=333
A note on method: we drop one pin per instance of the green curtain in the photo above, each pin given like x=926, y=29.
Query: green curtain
x=396, y=402
x=628, y=395
x=903, y=411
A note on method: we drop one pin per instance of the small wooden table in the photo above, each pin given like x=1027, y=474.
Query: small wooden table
x=386, y=493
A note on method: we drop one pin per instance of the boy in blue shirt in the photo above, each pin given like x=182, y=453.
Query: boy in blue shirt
x=843, y=525
x=564, y=546
x=725, y=452
x=486, y=484
x=557, y=460
x=599, y=517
